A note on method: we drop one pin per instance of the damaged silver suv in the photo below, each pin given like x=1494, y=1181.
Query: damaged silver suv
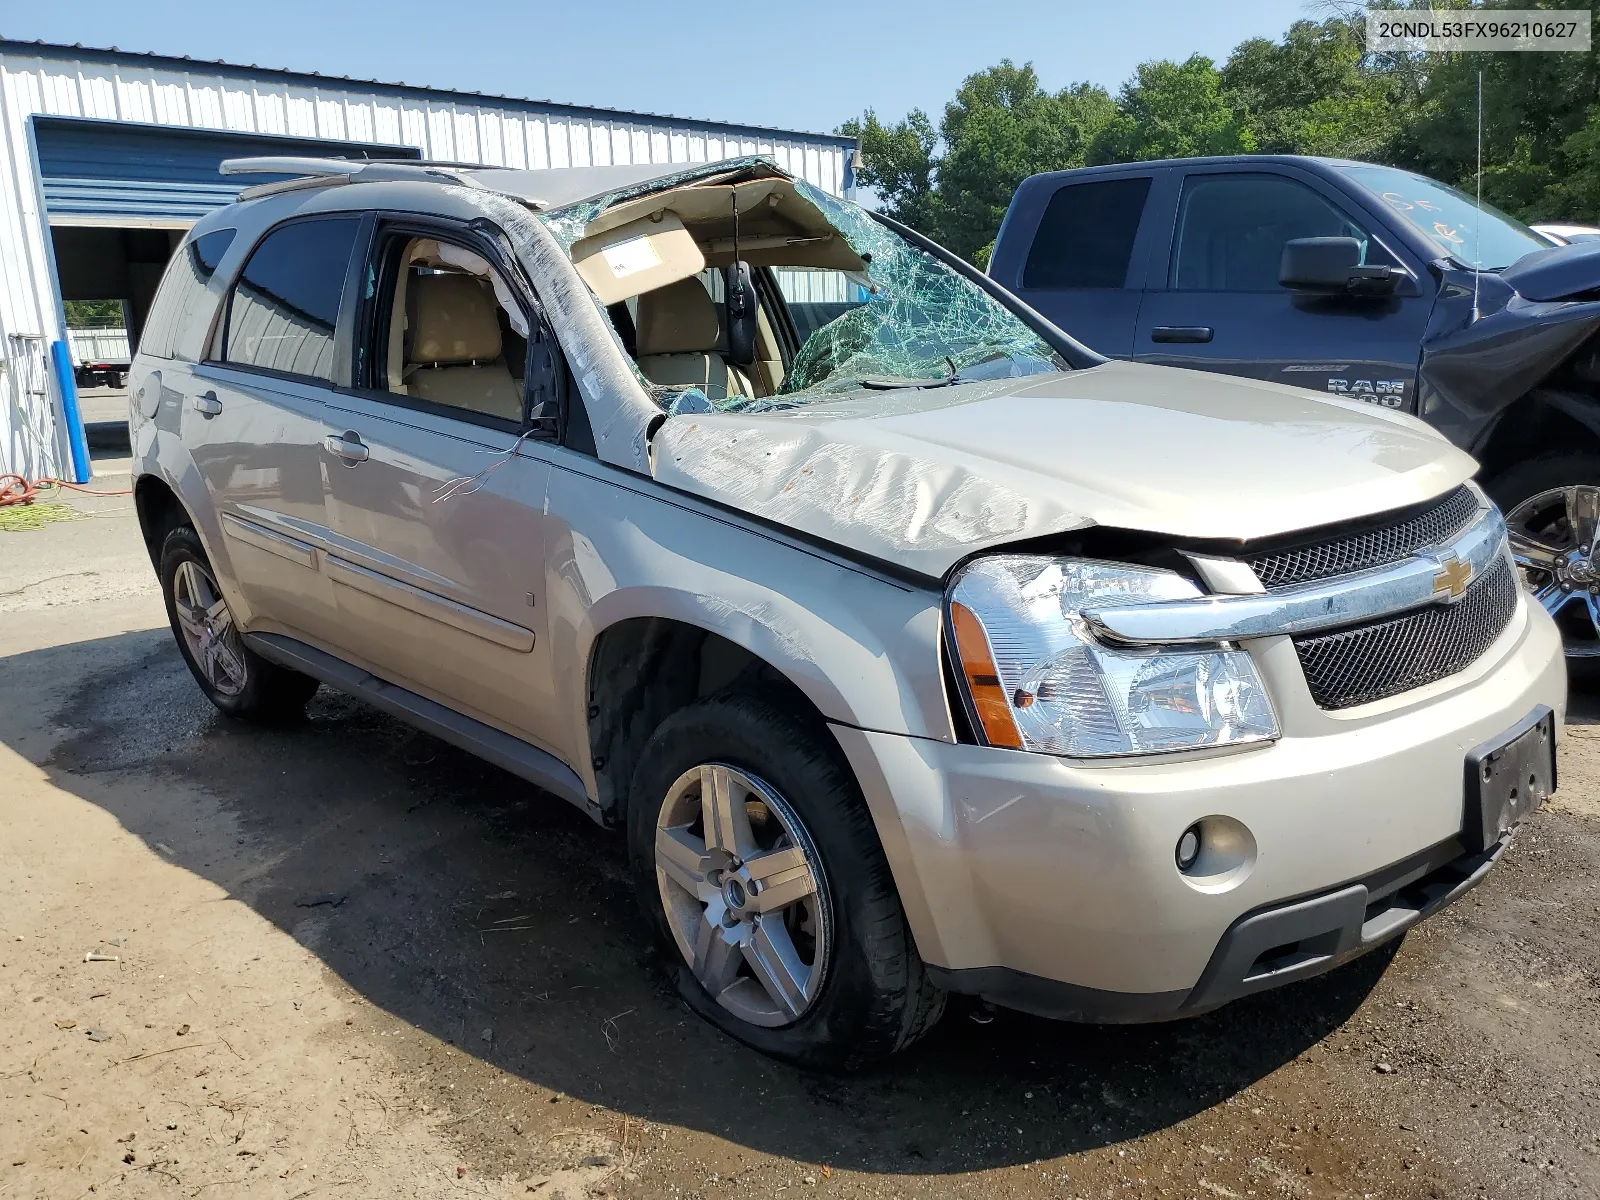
x=915, y=648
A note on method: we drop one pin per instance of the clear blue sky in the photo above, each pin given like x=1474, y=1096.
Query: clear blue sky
x=803, y=65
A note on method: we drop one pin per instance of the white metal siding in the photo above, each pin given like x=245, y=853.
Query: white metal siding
x=448, y=127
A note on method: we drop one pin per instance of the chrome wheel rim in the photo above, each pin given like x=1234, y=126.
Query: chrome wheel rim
x=207, y=628
x=1555, y=538
x=744, y=893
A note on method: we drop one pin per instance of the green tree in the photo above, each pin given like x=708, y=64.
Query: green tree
x=98, y=314
x=1001, y=128
x=898, y=163
x=1173, y=110
x=954, y=183
x=1537, y=109
x=1314, y=92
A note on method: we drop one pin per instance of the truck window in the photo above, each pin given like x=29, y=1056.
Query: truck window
x=1085, y=237
x=1231, y=230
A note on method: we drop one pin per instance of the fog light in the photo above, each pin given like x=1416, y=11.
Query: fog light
x=1188, y=848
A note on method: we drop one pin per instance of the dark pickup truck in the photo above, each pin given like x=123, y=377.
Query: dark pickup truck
x=1357, y=280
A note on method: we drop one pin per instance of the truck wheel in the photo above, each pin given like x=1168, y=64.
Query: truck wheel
x=236, y=679
x=758, y=866
x=1552, y=507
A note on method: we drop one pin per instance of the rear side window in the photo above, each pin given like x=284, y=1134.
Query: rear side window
x=182, y=299
x=1085, y=238
x=285, y=306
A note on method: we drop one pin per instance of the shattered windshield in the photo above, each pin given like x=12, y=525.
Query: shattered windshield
x=1488, y=240
x=869, y=310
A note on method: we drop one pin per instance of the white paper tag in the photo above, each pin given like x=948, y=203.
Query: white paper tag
x=632, y=256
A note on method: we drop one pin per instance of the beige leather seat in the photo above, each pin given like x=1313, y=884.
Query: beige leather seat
x=677, y=341
x=453, y=352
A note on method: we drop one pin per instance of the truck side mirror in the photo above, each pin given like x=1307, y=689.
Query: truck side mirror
x=1331, y=266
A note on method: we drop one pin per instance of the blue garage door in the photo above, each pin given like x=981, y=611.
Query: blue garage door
x=103, y=172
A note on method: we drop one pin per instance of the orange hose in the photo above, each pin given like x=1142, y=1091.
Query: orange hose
x=14, y=489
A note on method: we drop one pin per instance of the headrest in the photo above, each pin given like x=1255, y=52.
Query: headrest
x=452, y=320
x=677, y=319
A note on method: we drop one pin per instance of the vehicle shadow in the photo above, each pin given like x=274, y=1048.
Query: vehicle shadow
x=471, y=901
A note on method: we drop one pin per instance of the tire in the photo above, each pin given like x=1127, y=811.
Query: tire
x=233, y=677
x=1552, y=506
x=867, y=993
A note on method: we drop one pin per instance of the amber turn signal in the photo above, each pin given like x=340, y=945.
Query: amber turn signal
x=983, y=680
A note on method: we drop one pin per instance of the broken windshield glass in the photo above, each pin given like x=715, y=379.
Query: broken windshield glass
x=910, y=319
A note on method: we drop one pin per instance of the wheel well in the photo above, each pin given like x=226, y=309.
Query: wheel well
x=160, y=512
x=641, y=671
x=1534, y=425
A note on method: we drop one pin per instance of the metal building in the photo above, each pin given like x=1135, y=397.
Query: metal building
x=107, y=157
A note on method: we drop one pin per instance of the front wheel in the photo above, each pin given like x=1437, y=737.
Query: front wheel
x=1552, y=508
x=757, y=864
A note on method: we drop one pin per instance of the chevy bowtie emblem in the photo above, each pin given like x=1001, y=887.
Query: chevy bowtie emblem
x=1451, y=579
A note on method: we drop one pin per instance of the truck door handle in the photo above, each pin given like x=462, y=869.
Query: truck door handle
x=347, y=446
x=1181, y=333
x=208, y=404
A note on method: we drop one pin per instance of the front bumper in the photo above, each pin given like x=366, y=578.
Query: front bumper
x=1050, y=885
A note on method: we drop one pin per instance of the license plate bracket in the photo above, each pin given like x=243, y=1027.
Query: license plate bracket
x=1507, y=778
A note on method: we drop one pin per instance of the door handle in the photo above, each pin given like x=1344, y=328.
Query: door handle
x=347, y=446
x=208, y=404
x=1181, y=333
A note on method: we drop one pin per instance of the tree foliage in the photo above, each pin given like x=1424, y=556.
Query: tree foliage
x=1314, y=91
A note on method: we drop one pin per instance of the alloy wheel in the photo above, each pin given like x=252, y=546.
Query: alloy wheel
x=744, y=893
x=207, y=628
x=1555, y=538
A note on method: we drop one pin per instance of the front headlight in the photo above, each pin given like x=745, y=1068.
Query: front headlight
x=1038, y=680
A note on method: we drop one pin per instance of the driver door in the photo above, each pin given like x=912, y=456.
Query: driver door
x=1220, y=307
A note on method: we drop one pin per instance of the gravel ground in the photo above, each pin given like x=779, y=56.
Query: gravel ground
x=352, y=961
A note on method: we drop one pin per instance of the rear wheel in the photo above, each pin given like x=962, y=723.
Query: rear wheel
x=757, y=863
x=236, y=679
x=1552, y=507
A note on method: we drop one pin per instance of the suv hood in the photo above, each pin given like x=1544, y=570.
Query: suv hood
x=924, y=478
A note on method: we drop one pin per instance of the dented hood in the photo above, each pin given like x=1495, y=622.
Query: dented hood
x=924, y=478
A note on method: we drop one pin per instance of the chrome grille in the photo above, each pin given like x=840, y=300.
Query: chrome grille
x=1373, y=548
x=1383, y=658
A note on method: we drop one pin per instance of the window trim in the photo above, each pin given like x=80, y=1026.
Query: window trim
x=481, y=237
x=216, y=342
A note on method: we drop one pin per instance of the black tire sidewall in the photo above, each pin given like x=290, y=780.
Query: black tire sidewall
x=183, y=545
x=1532, y=476
x=856, y=1017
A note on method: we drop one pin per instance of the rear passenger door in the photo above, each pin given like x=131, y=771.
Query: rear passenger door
x=255, y=420
x=1084, y=266
x=435, y=500
x=1215, y=301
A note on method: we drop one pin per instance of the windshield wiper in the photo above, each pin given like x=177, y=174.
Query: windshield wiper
x=894, y=385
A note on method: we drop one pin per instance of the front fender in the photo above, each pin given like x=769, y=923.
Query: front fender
x=863, y=648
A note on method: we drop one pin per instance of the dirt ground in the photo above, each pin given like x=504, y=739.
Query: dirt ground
x=345, y=960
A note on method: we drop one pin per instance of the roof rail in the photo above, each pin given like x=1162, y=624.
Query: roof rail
x=306, y=172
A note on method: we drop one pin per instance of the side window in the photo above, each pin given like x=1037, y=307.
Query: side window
x=450, y=330
x=816, y=296
x=285, y=306
x=1231, y=230
x=182, y=298
x=1085, y=238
